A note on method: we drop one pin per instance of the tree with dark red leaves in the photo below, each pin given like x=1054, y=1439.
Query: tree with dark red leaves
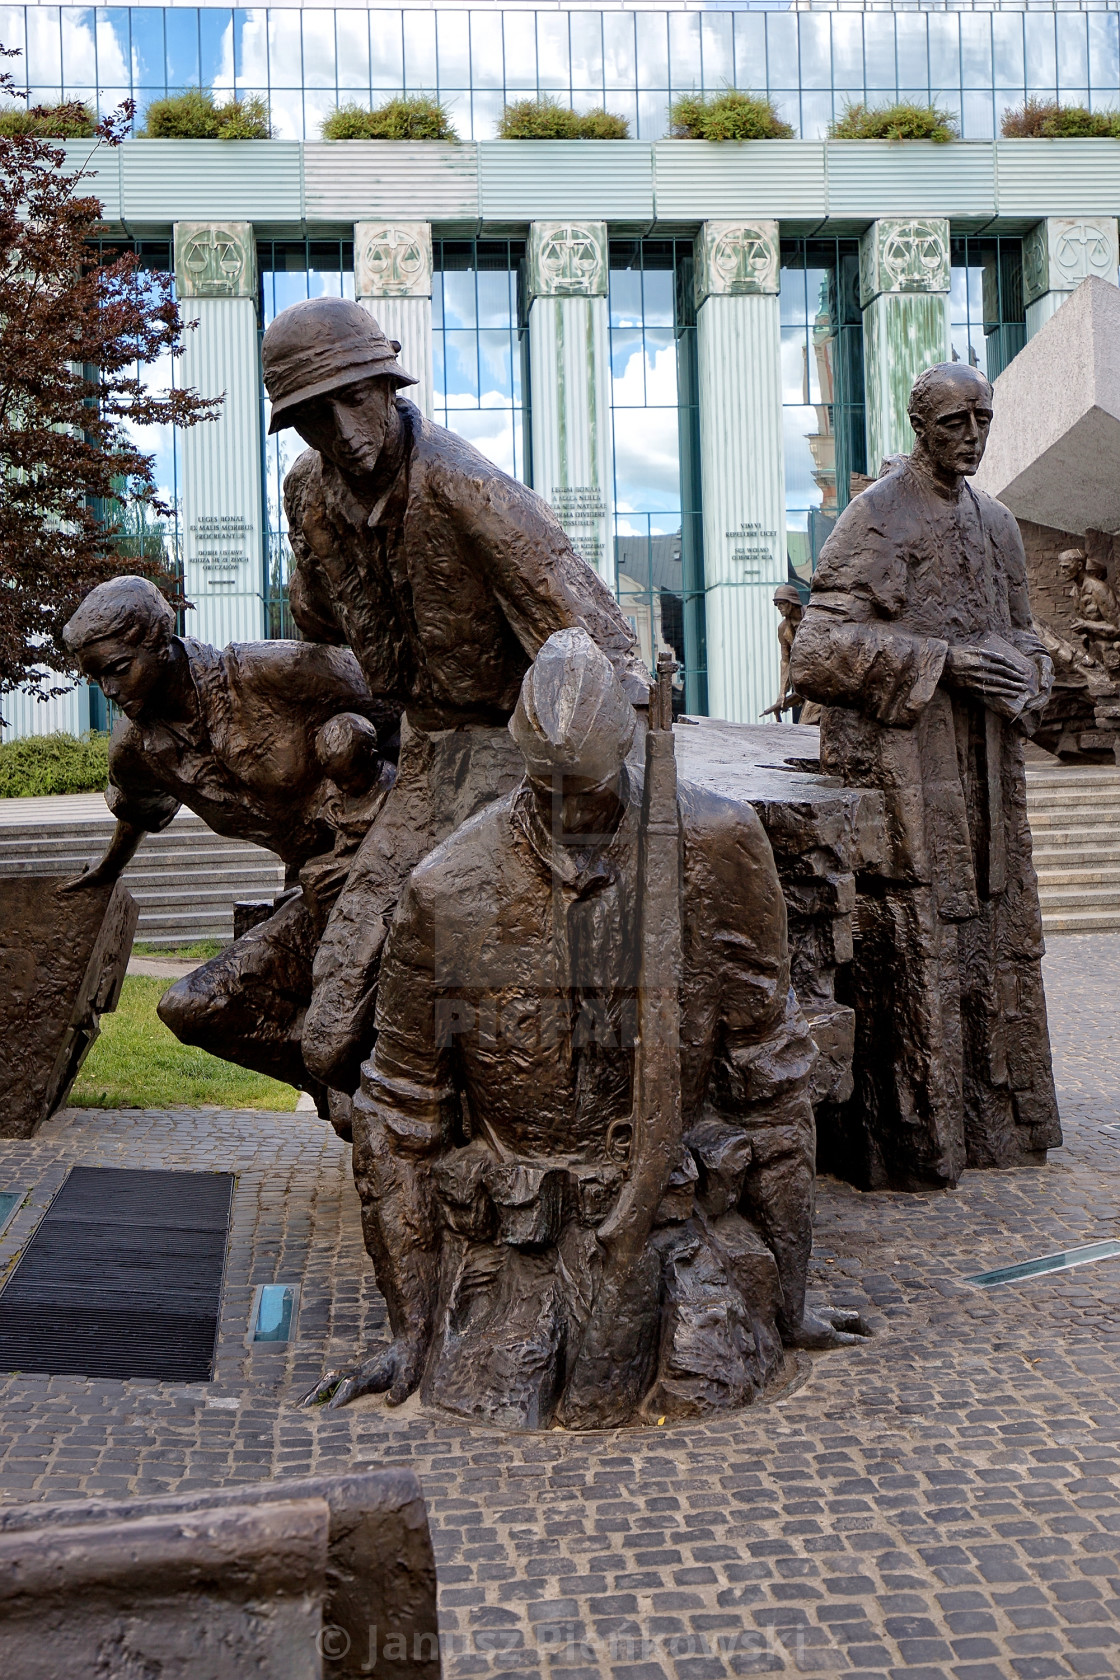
x=77, y=327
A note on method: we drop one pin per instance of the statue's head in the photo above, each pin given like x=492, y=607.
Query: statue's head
x=332, y=374
x=573, y=722
x=787, y=599
x=121, y=636
x=1071, y=564
x=346, y=748
x=951, y=412
x=1095, y=566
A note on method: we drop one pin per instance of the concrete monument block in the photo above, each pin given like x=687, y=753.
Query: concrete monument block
x=1055, y=438
x=62, y=960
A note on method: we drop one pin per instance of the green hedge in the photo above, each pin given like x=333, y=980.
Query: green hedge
x=70, y=121
x=194, y=116
x=894, y=122
x=54, y=764
x=1045, y=119
x=727, y=116
x=547, y=119
x=419, y=117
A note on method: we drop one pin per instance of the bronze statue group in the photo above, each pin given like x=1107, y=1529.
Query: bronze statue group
x=541, y=983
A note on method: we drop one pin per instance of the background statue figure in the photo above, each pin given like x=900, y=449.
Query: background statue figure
x=268, y=741
x=517, y=1130
x=918, y=642
x=787, y=599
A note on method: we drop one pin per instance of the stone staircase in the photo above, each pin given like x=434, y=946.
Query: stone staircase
x=1074, y=815
x=185, y=880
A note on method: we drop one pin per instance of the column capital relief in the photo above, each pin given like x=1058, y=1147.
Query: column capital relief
x=392, y=259
x=737, y=259
x=215, y=260
x=1062, y=251
x=568, y=259
x=904, y=254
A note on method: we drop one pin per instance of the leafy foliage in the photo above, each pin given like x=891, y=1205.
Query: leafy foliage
x=894, y=122
x=71, y=120
x=193, y=115
x=59, y=763
x=417, y=117
x=732, y=115
x=547, y=119
x=77, y=327
x=1045, y=119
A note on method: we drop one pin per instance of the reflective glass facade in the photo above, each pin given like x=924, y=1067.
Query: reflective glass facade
x=659, y=566
x=479, y=347
x=305, y=62
x=989, y=321
x=290, y=270
x=823, y=431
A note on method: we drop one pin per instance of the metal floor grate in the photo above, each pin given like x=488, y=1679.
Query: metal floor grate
x=123, y=1278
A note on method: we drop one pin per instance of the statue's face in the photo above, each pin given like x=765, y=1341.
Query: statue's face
x=348, y=426
x=126, y=673
x=954, y=428
x=1071, y=567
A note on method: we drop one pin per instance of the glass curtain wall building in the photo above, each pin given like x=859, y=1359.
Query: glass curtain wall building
x=304, y=63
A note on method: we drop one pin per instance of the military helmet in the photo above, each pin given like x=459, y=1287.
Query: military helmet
x=572, y=717
x=787, y=592
x=320, y=345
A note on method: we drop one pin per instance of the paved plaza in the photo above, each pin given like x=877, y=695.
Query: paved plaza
x=942, y=1501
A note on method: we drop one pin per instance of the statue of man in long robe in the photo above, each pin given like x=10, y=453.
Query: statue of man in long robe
x=918, y=642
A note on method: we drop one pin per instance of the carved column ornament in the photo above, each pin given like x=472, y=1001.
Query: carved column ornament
x=215, y=260
x=392, y=259
x=568, y=259
x=904, y=254
x=737, y=259
x=1061, y=251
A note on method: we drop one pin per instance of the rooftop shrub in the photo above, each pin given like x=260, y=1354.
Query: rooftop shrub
x=418, y=116
x=193, y=115
x=894, y=122
x=1045, y=119
x=72, y=120
x=726, y=116
x=547, y=119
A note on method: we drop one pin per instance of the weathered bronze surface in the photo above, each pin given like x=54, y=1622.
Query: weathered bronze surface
x=584, y=1141
x=62, y=961
x=918, y=642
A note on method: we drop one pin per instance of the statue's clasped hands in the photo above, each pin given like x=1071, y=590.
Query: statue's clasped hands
x=1006, y=681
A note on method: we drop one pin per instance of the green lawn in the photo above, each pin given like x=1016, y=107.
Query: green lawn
x=137, y=1063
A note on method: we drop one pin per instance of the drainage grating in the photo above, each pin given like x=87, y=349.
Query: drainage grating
x=123, y=1278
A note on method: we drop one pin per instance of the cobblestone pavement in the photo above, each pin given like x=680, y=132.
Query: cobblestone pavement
x=942, y=1501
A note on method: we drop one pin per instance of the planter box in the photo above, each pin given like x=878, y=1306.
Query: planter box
x=1039, y=178
x=361, y=180
x=540, y=180
x=166, y=181
x=868, y=178
x=695, y=180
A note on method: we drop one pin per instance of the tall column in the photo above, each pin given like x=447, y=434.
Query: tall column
x=742, y=472
x=569, y=362
x=223, y=515
x=1058, y=254
x=393, y=280
x=904, y=292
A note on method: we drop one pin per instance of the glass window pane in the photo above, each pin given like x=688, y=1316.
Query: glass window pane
x=79, y=58
x=653, y=49
x=486, y=50
x=216, y=45
x=520, y=36
x=816, y=114
x=1007, y=48
x=976, y=49
x=587, y=49
x=352, y=46
x=781, y=49
x=619, y=52
x=1073, y=66
x=318, y=49
x=847, y=49
x=251, y=42
x=285, y=107
x=1042, y=68
x=453, y=52
x=944, y=49
x=386, y=52
x=750, y=51
x=1104, y=57
x=912, y=49
x=420, y=51
x=878, y=51
x=977, y=116
x=816, y=50
x=12, y=35
x=459, y=302
x=684, y=50
x=44, y=46
x=717, y=49
x=658, y=289
x=552, y=50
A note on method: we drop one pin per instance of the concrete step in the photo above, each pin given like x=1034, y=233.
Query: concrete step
x=1090, y=921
